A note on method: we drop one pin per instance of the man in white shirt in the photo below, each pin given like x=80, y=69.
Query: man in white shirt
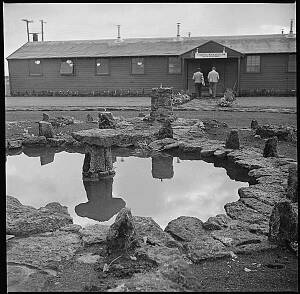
x=199, y=81
x=213, y=79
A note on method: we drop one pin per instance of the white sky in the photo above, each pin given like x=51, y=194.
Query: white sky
x=99, y=21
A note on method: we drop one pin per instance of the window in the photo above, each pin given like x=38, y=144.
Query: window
x=174, y=65
x=102, y=66
x=292, y=63
x=67, y=67
x=253, y=63
x=137, y=66
x=35, y=67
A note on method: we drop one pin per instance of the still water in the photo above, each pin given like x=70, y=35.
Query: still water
x=163, y=188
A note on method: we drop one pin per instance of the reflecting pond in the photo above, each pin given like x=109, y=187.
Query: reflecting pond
x=162, y=187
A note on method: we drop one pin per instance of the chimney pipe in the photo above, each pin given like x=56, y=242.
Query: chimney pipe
x=178, y=26
x=119, y=36
x=291, y=28
x=35, y=37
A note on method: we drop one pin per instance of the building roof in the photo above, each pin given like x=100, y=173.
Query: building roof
x=152, y=46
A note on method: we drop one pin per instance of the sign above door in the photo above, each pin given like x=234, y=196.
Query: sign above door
x=211, y=54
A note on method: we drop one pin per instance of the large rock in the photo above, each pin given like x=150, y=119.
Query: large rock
x=46, y=129
x=121, y=234
x=45, y=251
x=217, y=222
x=284, y=222
x=239, y=211
x=234, y=238
x=205, y=247
x=94, y=234
x=60, y=121
x=281, y=132
x=166, y=130
x=232, y=141
x=106, y=120
x=270, y=149
x=292, y=184
x=119, y=137
x=22, y=220
x=14, y=144
x=147, y=228
x=185, y=228
x=254, y=124
x=33, y=141
x=45, y=117
x=160, y=144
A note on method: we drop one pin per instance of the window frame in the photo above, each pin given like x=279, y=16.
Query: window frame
x=109, y=66
x=65, y=60
x=131, y=66
x=288, y=64
x=246, y=68
x=29, y=68
x=168, y=68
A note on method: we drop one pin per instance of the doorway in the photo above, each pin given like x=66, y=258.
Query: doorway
x=226, y=67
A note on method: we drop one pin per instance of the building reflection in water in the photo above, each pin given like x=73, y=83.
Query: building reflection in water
x=162, y=167
x=101, y=205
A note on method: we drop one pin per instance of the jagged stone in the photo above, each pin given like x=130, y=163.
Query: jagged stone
x=122, y=234
x=119, y=137
x=32, y=141
x=232, y=140
x=185, y=228
x=239, y=211
x=89, y=118
x=45, y=129
x=106, y=120
x=230, y=237
x=218, y=222
x=166, y=130
x=14, y=144
x=61, y=121
x=254, y=124
x=94, y=234
x=45, y=250
x=284, y=222
x=146, y=227
x=270, y=149
x=22, y=220
x=282, y=133
x=205, y=247
x=56, y=142
x=292, y=184
x=45, y=117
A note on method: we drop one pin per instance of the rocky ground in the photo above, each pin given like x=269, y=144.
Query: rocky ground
x=230, y=252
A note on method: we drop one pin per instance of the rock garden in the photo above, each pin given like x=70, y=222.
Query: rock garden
x=46, y=251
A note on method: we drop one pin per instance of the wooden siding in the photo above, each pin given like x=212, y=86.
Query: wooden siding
x=273, y=74
x=85, y=79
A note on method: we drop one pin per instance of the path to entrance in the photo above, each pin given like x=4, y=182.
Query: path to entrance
x=76, y=101
x=15, y=102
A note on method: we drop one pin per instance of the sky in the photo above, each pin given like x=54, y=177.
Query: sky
x=89, y=21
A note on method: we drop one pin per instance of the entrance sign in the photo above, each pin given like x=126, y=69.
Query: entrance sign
x=211, y=54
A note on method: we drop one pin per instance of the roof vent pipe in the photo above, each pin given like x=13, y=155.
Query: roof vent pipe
x=291, y=28
x=178, y=27
x=189, y=34
x=119, y=36
x=281, y=31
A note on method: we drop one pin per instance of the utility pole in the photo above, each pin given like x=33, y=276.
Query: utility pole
x=42, y=22
x=27, y=21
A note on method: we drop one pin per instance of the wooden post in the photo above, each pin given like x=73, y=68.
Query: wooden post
x=238, y=77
